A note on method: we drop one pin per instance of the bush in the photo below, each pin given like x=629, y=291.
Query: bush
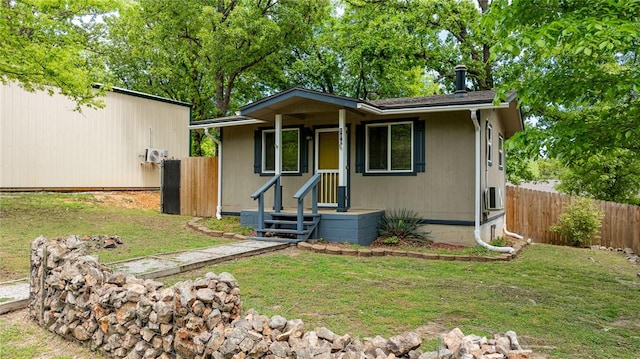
x=401, y=223
x=500, y=241
x=580, y=223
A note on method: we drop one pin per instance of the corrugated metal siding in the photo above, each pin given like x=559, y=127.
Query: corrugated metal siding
x=45, y=144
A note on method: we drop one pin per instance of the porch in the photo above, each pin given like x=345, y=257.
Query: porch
x=356, y=226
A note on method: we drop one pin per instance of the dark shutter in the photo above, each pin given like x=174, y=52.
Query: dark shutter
x=419, y=146
x=257, y=151
x=360, y=148
x=304, y=150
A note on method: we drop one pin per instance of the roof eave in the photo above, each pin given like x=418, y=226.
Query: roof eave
x=426, y=109
x=345, y=102
x=225, y=122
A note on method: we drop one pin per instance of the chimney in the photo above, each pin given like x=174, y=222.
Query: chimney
x=461, y=88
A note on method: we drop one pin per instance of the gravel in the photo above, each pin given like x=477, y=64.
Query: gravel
x=14, y=291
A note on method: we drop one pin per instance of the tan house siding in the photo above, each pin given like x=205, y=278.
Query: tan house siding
x=443, y=192
x=44, y=144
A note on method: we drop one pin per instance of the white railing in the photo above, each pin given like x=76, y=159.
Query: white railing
x=328, y=188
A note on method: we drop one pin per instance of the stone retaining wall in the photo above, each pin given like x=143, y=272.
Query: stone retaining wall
x=75, y=296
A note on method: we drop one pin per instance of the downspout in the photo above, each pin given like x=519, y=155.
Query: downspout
x=219, y=153
x=476, y=231
x=510, y=234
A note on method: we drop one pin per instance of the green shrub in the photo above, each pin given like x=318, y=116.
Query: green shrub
x=401, y=223
x=391, y=240
x=580, y=223
x=500, y=241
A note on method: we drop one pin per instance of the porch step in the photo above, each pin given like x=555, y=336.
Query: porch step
x=282, y=226
x=287, y=222
x=283, y=231
x=293, y=215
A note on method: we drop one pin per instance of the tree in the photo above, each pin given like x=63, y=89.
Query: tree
x=207, y=53
x=403, y=48
x=49, y=45
x=613, y=176
x=576, y=68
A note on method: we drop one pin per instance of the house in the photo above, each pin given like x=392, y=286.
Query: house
x=46, y=145
x=314, y=164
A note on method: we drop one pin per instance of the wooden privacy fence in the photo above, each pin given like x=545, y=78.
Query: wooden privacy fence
x=190, y=186
x=199, y=186
x=530, y=213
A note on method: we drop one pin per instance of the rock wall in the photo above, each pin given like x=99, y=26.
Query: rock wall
x=75, y=296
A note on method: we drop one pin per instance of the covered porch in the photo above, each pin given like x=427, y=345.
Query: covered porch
x=356, y=227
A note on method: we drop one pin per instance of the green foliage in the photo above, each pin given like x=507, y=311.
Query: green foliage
x=214, y=55
x=401, y=51
x=402, y=223
x=390, y=240
x=549, y=169
x=500, y=241
x=568, y=53
x=51, y=45
x=580, y=223
x=613, y=176
x=577, y=69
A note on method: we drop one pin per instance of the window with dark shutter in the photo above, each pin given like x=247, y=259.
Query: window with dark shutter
x=390, y=147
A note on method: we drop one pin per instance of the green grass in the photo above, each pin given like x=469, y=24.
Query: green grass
x=11, y=345
x=21, y=338
x=563, y=302
x=227, y=224
x=24, y=217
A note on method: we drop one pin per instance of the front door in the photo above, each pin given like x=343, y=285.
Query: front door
x=327, y=164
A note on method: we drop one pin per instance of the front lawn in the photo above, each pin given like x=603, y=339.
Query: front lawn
x=25, y=216
x=562, y=302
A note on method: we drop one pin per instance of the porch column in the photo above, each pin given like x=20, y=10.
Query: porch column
x=278, y=163
x=343, y=146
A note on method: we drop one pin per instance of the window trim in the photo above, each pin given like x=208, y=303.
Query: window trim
x=389, y=169
x=500, y=152
x=489, y=153
x=418, y=149
x=260, y=153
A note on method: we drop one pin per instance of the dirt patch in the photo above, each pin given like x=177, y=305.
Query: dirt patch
x=130, y=199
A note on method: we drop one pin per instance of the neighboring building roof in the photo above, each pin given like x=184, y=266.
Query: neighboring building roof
x=544, y=186
x=144, y=95
x=224, y=122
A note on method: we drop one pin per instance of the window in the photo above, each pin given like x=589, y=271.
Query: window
x=293, y=152
x=500, y=152
x=489, y=144
x=389, y=147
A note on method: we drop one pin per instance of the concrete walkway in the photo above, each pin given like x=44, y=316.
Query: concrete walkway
x=15, y=294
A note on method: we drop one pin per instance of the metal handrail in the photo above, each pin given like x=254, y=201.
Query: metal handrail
x=277, y=199
x=266, y=186
x=310, y=185
x=311, y=182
